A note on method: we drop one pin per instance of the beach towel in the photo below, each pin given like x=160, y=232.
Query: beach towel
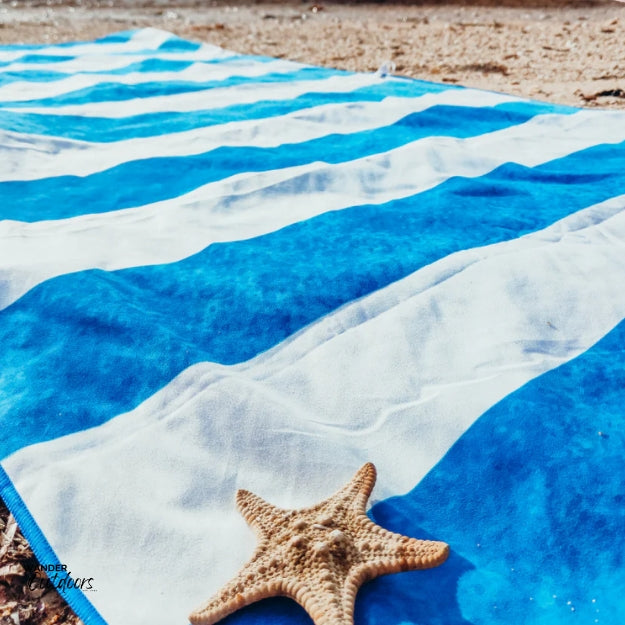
x=222, y=271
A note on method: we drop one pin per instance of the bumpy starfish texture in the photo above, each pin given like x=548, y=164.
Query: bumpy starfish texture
x=318, y=556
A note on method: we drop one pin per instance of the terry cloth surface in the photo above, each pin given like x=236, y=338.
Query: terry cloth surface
x=222, y=271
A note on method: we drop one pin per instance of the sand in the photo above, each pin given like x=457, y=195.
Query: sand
x=567, y=52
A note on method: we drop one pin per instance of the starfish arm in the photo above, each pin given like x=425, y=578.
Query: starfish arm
x=358, y=575
x=410, y=554
x=424, y=554
x=387, y=552
x=356, y=493
x=322, y=598
x=262, y=516
x=245, y=588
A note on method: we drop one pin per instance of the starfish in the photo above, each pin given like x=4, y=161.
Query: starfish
x=318, y=556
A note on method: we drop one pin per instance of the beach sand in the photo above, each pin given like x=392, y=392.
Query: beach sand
x=563, y=51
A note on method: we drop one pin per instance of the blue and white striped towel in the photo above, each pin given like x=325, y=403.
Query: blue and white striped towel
x=222, y=271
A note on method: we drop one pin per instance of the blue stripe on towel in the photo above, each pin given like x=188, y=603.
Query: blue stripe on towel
x=107, y=129
x=83, y=335
x=534, y=539
x=108, y=190
x=118, y=92
x=144, y=66
x=35, y=59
